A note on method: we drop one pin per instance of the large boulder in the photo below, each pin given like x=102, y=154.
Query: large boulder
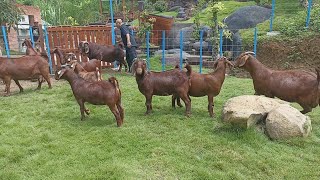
x=247, y=17
x=286, y=122
x=276, y=118
x=246, y=111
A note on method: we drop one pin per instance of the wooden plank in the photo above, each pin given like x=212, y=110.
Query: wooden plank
x=75, y=39
x=60, y=39
x=99, y=36
x=70, y=40
x=55, y=39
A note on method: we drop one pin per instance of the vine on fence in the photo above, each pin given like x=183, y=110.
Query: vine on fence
x=146, y=25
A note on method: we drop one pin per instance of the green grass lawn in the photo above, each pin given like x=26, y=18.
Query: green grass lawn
x=42, y=137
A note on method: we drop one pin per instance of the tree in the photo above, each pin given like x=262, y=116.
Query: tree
x=9, y=13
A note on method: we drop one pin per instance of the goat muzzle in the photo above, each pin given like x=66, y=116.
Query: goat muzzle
x=139, y=71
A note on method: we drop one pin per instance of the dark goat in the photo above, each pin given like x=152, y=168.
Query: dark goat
x=24, y=68
x=172, y=82
x=290, y=85
x=97, y=93
x=103, y=53
x=207, y=84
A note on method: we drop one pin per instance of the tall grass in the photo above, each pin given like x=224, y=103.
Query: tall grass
x=42, y=137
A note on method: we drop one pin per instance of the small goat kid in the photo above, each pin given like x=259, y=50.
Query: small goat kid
x=207, y=84
x=97, y=93
x=289, y=85
x=89, y=76
x=172, y=82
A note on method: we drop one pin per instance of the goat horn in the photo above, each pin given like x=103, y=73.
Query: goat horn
x=249, y=52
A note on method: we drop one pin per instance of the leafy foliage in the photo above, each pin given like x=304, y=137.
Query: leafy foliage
x=161, y=6
x=146, y=25
x=9, y=13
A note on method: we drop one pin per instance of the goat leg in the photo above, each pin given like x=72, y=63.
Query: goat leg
x=174, y=99
x=121, y=111
x=210, y=106
x=116, y=114
x=82, y=109
x=18, y=84
x=306, y=109
x=7, y=81
x=47, y=78
x=187, y=101
x=39, y=83
x=148, y=104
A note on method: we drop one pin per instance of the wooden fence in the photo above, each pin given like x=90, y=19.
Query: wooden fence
x=68, y=38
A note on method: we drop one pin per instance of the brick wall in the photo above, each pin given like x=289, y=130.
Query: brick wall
x=13, y=34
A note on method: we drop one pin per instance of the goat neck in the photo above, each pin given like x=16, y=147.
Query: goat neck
x=60, y=55
x=220, y=71
x=256, y=68
x=71, y=77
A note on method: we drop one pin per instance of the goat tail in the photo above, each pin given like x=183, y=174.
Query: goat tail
x=115, y=83
x=189, y=70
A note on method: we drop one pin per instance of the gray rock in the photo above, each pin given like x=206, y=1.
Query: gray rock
x=247, y=17
x=174, y=8
x=246, y=111
x=286, y=122
x=196, y=46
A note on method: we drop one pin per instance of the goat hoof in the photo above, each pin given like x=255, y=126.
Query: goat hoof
x=87, y=111
x=188, y=115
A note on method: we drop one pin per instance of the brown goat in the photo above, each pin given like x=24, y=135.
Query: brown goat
x=31, y=51
x=103, y=53
x=89, y=76
x=24, y=68
x=97, y=93
x=289, y=85
x=63, y=57
x=207, y=84
x=172, y=82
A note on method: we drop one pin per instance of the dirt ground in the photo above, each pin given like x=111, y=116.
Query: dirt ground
x=26, y=85
x=301, y=54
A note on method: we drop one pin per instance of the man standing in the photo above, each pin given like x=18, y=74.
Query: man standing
x=128, y=41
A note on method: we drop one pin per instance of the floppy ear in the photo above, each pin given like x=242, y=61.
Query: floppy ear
x=133, y=70
x=243, y=60
x=230, y=64
x=61, y=73
x=73, y=65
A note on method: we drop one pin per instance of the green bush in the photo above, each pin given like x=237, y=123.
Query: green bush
x=161, y=6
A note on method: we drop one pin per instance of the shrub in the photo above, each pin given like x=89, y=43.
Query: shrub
x=161, y=6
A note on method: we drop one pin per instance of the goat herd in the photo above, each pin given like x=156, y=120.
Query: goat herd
x=87, y=84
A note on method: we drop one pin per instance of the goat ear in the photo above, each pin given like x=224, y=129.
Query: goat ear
x=133, y=70
x=73, y=66
x=243, y=60
x=61, y=72
x=230, y=64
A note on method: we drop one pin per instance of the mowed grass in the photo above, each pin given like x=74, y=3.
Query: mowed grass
x=42, y=137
